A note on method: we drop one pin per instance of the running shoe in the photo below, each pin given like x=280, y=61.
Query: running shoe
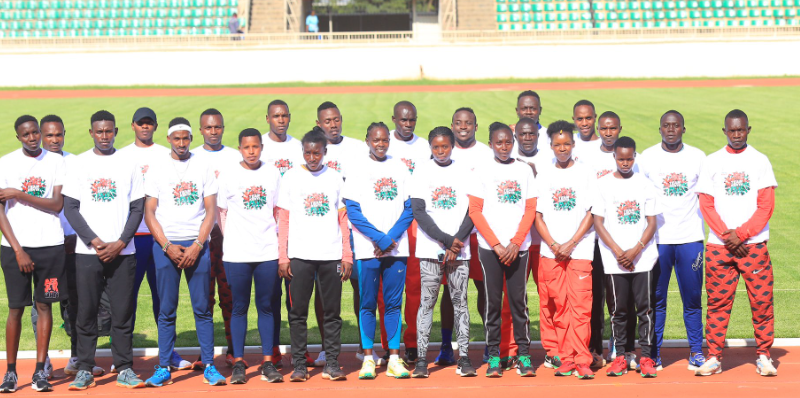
x=48, y=368
x=212, y=377
x=411, y=355
x=128, y=379
x=764, y=366
x=277, y=358
x=333, y=371
x=320, y=361
x=509, y=363
x=552, y=362
x=524, y=367
x=618, y=368
x=39, y=382
x=269, y=373
x=239, y=373
x=9, y=383
x=397, y=369
x=583, y=371
x=597, y=361
x=446, y=356
x=367, y=371
x=420, y=369
x=566, y=369
x=659, y=366
x=465, y=368
x=229, y=359
x=72, y=368
x=300, y=373
x=696, y=360
x=648, y=368
x=198, y=365
x=630, y=359
x=83, y=380
x=493, y=368
x=711, y=366
x=178, y=363
x=161, y=377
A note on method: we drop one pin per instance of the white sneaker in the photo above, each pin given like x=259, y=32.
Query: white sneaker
x=712, y=366
x=378, y=360
x=631, y=359
x=360, y=356
x=48, y=368
x=764, y=366
x=612, y=353
x=72, y=368
x=320, y=361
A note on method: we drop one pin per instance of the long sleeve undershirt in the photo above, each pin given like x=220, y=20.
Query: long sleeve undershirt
x=427, y=224
x=383, y=240
x=72, y=210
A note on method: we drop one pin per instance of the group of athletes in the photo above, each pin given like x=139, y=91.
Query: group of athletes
x=599, y=226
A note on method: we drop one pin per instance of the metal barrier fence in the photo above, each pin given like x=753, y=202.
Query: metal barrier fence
x=295, y=40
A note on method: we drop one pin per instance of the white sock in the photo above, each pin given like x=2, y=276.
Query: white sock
x=394, y=357
x=368, y=358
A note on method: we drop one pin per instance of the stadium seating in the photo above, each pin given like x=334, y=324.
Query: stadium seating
x=610, y=14
x=86, y=18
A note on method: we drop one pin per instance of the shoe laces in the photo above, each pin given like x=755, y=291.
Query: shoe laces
x=268, y=367
x=82, y=376
x=525, y=361
x=10, y=376
x=620, y=360
x=211, y=370
x=333, y=364
x=464, y=361
x=161, y=372
x=494, y=362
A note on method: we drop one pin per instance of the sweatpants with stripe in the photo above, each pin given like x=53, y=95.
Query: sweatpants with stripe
x=723, y=271
x=565, y=297
x=599, y=293
x=508, y=347
x=325, y=276
x=241, y=277
x=168, y=278
x=372, y=273
x=620, y=288
x=514, y=276
x=687, y=260
x=432, y=272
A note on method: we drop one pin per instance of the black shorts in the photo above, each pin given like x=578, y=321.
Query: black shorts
x=49, y=276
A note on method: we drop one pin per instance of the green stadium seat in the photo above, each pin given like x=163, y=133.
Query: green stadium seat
x=561, y=7
x=754, y=13
x=622, y=5
x=730, y=13
x=513, y=8
x=658, y=5
x=694, y=14
x=502, y=17
x=500, y=8
x=669, y=5
x=660, y=15
x=719, y=13
x=515, y=18
x=573, y=6
x=526, y=17
x=740, y=13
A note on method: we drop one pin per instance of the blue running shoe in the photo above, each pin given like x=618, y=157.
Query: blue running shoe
x=212, y=377
x=696, y=360
x=178, y=363
x=445, y=357
x=161, y=377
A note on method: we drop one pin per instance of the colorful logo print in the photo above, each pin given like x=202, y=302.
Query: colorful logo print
x=509, y=192
x=185, y=193
x=34, y=186
x=443, y=198
x=283, y=165
x=254, y=198
x=385, y=189
x=563, y=199
x=104, y=190
x=737, y=183
x=628, y=212
x=675, y=184
x=317, y=204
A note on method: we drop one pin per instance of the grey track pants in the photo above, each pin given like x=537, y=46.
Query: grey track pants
x=431, y=273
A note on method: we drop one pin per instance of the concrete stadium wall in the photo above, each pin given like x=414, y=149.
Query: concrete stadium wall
x=382, y=62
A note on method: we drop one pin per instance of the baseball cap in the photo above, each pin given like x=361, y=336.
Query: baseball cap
x=142, y=113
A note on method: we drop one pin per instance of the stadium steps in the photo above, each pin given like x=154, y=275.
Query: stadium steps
x=264, y=19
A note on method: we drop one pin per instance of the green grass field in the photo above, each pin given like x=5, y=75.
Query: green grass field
x=640, y=109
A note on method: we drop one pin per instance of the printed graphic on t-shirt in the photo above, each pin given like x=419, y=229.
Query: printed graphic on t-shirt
x=737, y=183
x=144, y=170
x=563, y=199
x=283, y=165
x=509, y=192
x=628, y=212
x=104, y=190
x=385, y=189
x=444, y=198
x=34, y=186
x=185, y=193
x=603, y=173
x=675, y=184
x=51, y=288
x=317, y=204
x=254, y=198
x=410, y=164
x=334, y=164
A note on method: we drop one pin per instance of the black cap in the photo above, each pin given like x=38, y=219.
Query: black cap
x=142, y=113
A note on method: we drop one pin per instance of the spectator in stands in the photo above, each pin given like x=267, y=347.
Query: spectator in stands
x=233, y=26
x=312, y=22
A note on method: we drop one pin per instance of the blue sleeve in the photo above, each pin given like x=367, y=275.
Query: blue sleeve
x=364, y=226
x=403, y=222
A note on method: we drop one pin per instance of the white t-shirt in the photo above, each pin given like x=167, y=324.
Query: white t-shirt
x=412, y=152
x=565, y=195
x=540, y=161
x=504, y=189
x=313, y=201
x=251, y=234
x=143, y=157
x=381, y=189
x=675, y=177
x=282, y=155
x=181, y=188
x=583, y=148
x=625, y=204
x=603, y=163
x=220, y=160
x=68, y=158
x=473, y=156
x=105, y=186
x=340, y=154
x=734, y=181
x=444, y=190
x=35, y=176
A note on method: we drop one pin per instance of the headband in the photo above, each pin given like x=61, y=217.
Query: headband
x=179, y=127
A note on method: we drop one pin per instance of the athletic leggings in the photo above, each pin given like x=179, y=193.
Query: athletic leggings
x=431, y=272
x=216, y=276
x=241, y=277
x=723, y=271
x=514, y=275
x=620, y=289
x=391, y=272
x=687, y=259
